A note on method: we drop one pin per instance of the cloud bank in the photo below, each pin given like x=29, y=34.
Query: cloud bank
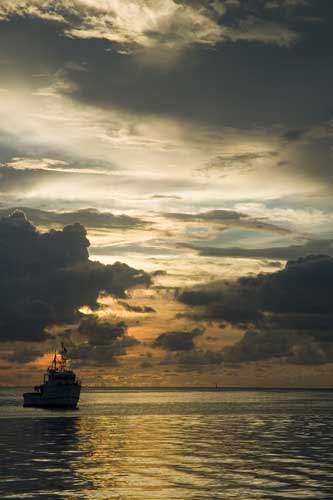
x=102, y=342
x=287, y=313
x=47, y=277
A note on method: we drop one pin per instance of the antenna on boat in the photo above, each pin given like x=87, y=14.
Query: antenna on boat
x=63, y=357
x=54, y=362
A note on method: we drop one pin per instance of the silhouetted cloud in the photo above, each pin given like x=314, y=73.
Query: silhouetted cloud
x=268, y=344
x=101, y=332
x=88, y=217
x=289, y=312
x=303, y=287
x=278, y=252
x=23, y=354
x=177, y=340
x=223, y=302
x=103, y=342
x=47, y=277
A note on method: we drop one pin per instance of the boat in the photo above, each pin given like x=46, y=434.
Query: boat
x=60, y=388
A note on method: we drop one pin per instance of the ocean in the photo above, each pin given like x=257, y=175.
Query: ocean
x=170, y=445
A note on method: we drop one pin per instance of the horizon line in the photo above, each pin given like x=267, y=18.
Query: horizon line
x=190, y=388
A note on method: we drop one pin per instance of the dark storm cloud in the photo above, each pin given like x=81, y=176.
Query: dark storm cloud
x=101, y=355
x=228, y=218
x=180, y=92
x=103, y=342
x=303, y=287
x=113, y=79
x=321, y=323
x=101, y=332
x=177, y=340
x=268, y=344
x=88, y=217
x=47, y=277
x=223, y=304
x=290, y=311
x=283, y=253
x=22, y=354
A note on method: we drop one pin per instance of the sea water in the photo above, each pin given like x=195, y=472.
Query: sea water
x=171, y=445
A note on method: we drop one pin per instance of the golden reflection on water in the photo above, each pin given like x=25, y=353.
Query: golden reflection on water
x=156, y=451
x=195, y=457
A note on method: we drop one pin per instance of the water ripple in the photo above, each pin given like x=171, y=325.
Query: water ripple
x=145, y=454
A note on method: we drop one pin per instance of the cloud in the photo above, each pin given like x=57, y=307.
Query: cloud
x=23, y=354
x=141, y=23
x=47, y=277
x=54, y=141
x=149, y=25
x=293, y=347
x=228, y=219
x=137, y=309
x=103, y=341
x=101, y=332
x=88, y=217
x=165, y=196
x=288, y=313
x=254, y=29
x=276, y=253
x=241, y=162
x=193, y=359
x=177, y=340
x=222, y=301
x=146, y=363
x=282, y=4
x=197, y=358
x=101, y=355
x=294, y=135
x=302, y=287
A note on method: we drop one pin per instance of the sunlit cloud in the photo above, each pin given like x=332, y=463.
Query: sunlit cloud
x=146, y=24
x=112, y=148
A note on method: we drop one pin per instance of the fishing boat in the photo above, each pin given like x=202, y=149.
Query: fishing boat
x=60, y=388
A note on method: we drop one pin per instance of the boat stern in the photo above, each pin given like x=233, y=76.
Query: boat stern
x=31, y=399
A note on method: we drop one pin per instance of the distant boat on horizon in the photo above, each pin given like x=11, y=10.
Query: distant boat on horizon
x=60, y=388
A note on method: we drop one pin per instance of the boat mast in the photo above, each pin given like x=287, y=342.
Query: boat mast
x=63, y=357
x=54, y=362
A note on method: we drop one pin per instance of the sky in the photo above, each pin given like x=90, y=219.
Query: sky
x=166, y=191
